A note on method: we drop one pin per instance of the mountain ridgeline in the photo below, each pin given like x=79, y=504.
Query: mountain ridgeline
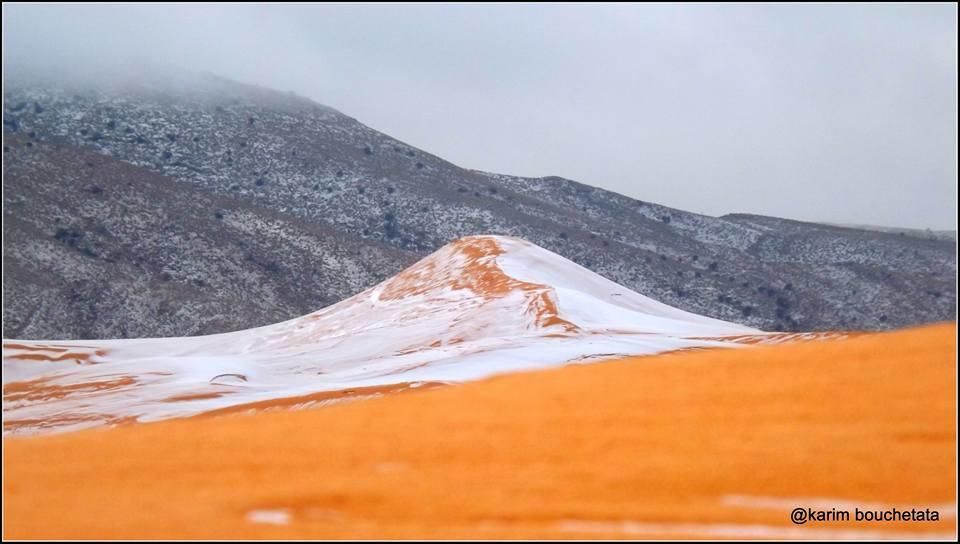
x=196, y=205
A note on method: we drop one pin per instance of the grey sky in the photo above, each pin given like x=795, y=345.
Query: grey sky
x=839, y=113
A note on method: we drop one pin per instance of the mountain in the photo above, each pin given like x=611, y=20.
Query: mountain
x=479, y=306
x=181, y=204
x=950, y=235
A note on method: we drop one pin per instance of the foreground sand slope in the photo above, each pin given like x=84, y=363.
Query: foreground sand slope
x=700, y=444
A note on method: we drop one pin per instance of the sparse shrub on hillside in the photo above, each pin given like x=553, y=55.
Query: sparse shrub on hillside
x=167, y=155
x=666, y=219
x=269, y=265
x=72, y=238
x=390, y=230
x=419, y=166
x=367, y=150
x=69, y=236
x=37, y=108
x=713, y=266
x=563, y=235
x=111, y=124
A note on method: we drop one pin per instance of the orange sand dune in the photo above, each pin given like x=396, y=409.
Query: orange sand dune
x=710, y=444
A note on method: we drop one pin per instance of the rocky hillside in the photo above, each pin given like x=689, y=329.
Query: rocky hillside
x=193, y=205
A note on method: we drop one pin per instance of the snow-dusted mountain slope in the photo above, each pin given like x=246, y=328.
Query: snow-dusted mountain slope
x=184, y=205
x=479, y=306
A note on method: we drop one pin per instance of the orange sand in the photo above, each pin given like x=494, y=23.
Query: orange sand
x=481, y=275
x=39, y=353
x=321, y=398
x=702, y=444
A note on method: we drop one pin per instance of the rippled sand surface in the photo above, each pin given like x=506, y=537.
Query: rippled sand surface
x=715, y=444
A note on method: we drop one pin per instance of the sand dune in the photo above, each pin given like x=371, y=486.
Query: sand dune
x=480, y=306
x=716, y=443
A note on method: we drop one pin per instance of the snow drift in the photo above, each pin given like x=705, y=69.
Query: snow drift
x=479, y=306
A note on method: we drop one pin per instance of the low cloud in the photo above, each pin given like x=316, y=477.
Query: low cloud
x=840, y=113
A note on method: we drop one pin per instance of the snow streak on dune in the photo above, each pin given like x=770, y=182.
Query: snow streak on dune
x=479, y=306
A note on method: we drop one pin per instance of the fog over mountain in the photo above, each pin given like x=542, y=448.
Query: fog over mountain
x=173, y=204
x=837, y=113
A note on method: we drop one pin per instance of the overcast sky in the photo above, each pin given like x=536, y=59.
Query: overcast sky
x=838, y=113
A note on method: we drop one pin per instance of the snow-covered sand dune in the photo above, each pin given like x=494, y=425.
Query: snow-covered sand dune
x=479, y=306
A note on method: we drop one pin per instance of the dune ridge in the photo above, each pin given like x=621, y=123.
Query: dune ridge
x=480, y=306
